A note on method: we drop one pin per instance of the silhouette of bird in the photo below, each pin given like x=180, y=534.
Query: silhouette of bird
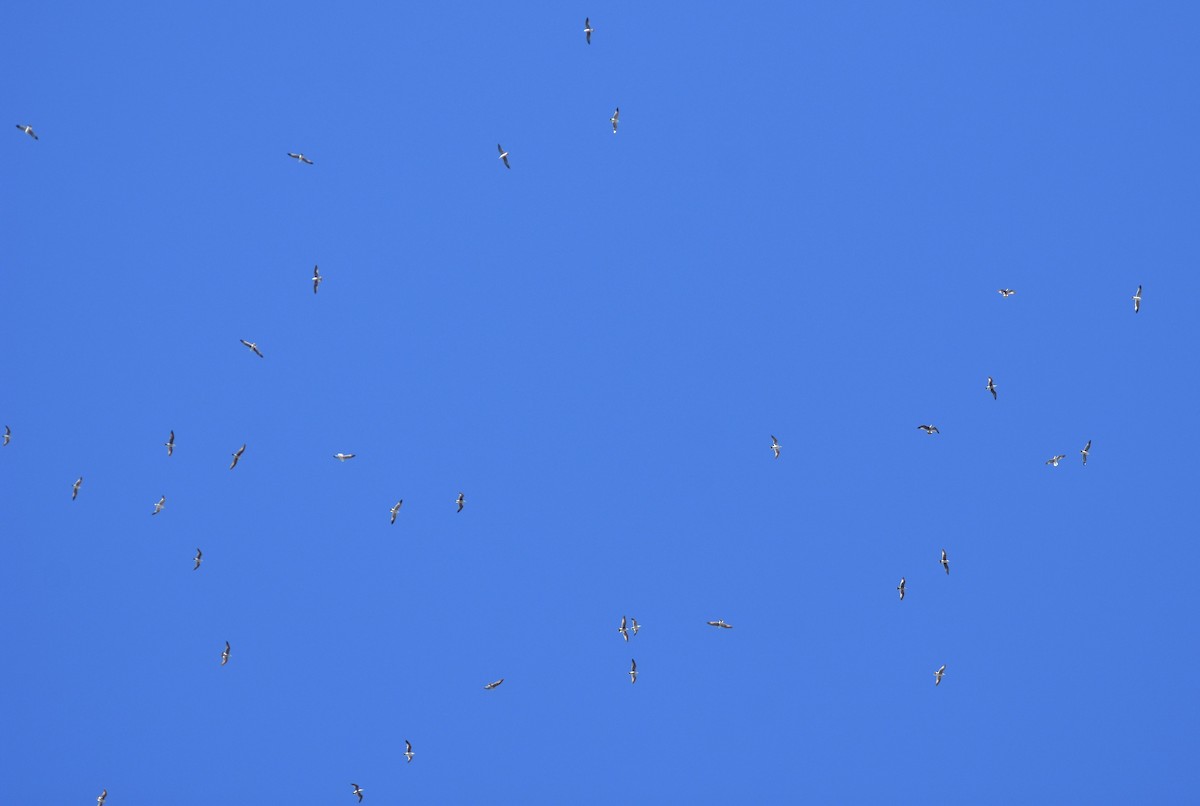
x=632, y=671
x=170, y=444
x=357, y=791
x=1086, y=450
x=503, y=155
x=1137, y=300
x=28, y=130
x=929, y=429
x=75, y=489
x=237, y=455
x=252, y=346
x=225, y=655
x=396, y=509
x=306, y=161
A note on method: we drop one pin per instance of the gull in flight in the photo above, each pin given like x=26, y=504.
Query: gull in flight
x=357, y=791
x=613, y=119
x=341, y=457
x=632, y=671
x=317, y=278
x=170, y=444
x=720, y=623
x=588, y=29
x=1006, y=292
x=159, y=506
x=636, y=626
x=945, y=561
x=306, y=161
x=929, y=429
x=775, y=446
x=1054, y=460
x=75, y=489
x=460, y=501
x=199, y=556
x=28, y=130
x=225, y=654
x=252, y=346
x=503, y=155
x=7, y=435
x=1086, y=449
x=491, y=686
x=408, y=753
x=624, y=632
x=103, y=796
x=991, y=387
x=900, y=588
x=396, y=509
x=937, y=676
x=237, y=455
x=1137, y=300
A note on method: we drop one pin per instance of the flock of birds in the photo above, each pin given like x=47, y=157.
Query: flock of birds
x=627, y=626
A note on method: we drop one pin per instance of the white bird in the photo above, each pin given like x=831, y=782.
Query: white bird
x=170, y=444
x=28, y=130
x=197, y=558
x=624, y=632
x=945, y=561
x=720, y=623
x=7, y=435
x=252, y=346
x=237, y=455
x=937, y=676
x=408, y=751
x=341, y=457
x=491, y=686
x=929, y=429
x=1137, y=300
x=103, y=796
x=357, y=791
x=396, y=509
x=775, y=446
x=900, y=588
x=461, y=500
x=1086, y=450
x=991, y=387
x=159, y=506
x=225, y=654
x=75, y=489
x=613, y=119
x=1054, y=460
x=503, y=155
x=1006, y=292
x=636, y=626
x=632, y=671
x=588, y=29
x=317, y=278
x=300, y=157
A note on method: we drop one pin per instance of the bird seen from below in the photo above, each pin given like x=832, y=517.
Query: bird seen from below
x=300, y=158
x=225, y=654
x=159, y=506
x=199, y=556
x=991, y=387
x=632, y=671
x=945, y=561
x=900, y=588
x=929, y=429
x=492, y=685
x=1137, y=300
x=937, y=676
x=28, y=130
x=720, y=623
x=775, y=446
x=461, y=501
x=252, y=346
x=613, y=120
x=75, y=489
x=170, y=444
x=504, y=155
x=1085, y=451
x=316, y=278
x=237, y=455
x=396, y=509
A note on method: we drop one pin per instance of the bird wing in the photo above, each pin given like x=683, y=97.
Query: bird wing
x=500, y=148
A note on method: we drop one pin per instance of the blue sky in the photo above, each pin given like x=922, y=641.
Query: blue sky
x=799, y=230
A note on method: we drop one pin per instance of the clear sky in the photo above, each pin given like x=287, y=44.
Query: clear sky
x=798, y=230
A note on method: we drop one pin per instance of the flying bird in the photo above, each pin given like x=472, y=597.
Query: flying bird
x=900, y=588
x=396, y=509
x=103, y=796
x=937, y=676
x=491, y=686
x=945, y=561
x=225, y=654
x=503, y=155
x=1054, y=460
x=28, y=130
x=720, y=623
x=306, y=161
x=341, y=457
x=7, y=435
x=237, y=455
x=624, y=632
x=1086, y=449
x=252, y=346
x=1137, y=300
x=460, y=501
x=317, y=278
x=929, y=429
x=632, y=671
x=636, y=626
x=75, y=489
x=991, y=387
x=408, y=753
x=775, y=446
x=159, y=506
x=1006, y=292
x=357, y=791
x=170, y=444
x=197, y=558
x=588, y=29
x=613, y=119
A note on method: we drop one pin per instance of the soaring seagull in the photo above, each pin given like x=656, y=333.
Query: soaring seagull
x=632, y=671
x=1006, y=292
x=900, y=588
x=341, y=457
x=775, y=446
x=159, y=506
x=491, y=686
x=991, y=387
x=460, y=501
x=503, y=155
x=75, y=489
x=1137, y=300
x=396, y=509
x=929, y=429
x=937, y=676
x=103, y=797
x=1086, y=449
x=720, y=623
x=408, y=753
x=7, y=435
x=613, y=119
x=1054, y=460
x=252, y=346
x=636, y=626
x=317, y=278
x=357, y=791
x=237, y=455
x=199, y=556
x=624, y=632
x=945, y=561
x=170, y=444
x=588, y=29
x=306, y=161
x=225, y=654
x=28, y=130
